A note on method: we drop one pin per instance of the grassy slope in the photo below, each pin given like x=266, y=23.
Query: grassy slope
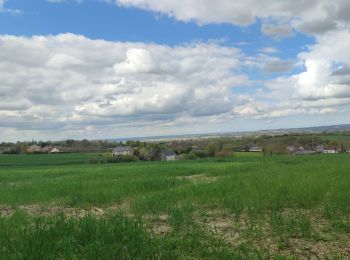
x=258, y=189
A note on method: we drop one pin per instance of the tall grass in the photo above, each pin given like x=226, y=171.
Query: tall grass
x=286, y=193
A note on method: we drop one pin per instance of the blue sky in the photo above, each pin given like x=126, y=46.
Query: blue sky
x=209, y=68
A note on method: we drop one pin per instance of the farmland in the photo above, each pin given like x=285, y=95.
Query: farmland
x=58, y=206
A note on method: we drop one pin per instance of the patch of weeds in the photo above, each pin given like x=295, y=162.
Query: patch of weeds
x=181, y=216
x=292, y=225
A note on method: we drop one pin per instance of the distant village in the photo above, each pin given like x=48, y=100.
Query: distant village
x=292, y=144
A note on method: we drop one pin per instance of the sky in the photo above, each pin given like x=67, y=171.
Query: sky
x=101, y=69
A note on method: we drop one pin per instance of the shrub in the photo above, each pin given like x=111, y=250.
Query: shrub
x=224, y=154
x=190, y=156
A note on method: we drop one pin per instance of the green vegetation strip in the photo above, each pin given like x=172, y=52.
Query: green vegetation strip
x=243, y=207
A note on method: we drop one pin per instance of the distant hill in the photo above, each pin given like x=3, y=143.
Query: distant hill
x=303, y=130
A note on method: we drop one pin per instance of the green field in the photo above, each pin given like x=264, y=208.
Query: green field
x=334, y=137
x=250, y=207
x=45, y=159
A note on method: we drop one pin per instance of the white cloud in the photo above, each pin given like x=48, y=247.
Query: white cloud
x=325, y=73
x=312, y=16
x=269, y=50
x=74, y=85
x=7, y=10
x=70, y=82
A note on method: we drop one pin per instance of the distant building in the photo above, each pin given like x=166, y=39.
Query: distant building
x=255, y=148
x=54, y=150
x=122, y=150
x=330, y=151
x=168, y=156
x=291, y=149
x=305, y=152
x=34, y=149
x=302, y=151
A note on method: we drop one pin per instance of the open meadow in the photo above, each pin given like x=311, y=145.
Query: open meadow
x=60, y=207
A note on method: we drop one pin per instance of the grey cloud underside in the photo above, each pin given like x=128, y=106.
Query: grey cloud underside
x=277, y=31
x=278, y=66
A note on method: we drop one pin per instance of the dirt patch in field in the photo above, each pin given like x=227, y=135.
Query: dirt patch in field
x=158, y=225
x=49, y=210
x=198, y=178
x=242, y=230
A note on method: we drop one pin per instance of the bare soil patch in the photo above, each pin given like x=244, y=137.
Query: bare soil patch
x=49, y=210
x=158, y=225
x=243, y=230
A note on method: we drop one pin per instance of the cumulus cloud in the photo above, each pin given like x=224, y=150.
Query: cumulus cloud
x=70, y=82
x=326, y=68
x=322, y=87
x=312, y=16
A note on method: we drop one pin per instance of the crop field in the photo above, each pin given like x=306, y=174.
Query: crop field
x=245, y=207
x=45, y=159
x=339, y=138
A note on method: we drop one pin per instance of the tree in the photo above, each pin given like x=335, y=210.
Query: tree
x=211, y=149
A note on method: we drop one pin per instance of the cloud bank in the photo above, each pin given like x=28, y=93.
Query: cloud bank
x=69, y=82
x=278, y=17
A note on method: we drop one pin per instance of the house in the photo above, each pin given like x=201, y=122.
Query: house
x=168, y=156
x=305, y=152
x=4, y=149
x=34, y=149
x=302, y=151
x=291, y=149
x=255, y=148
x=330, y=151
x=122, y=150
x=54, y=150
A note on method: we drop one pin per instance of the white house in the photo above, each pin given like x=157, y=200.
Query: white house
x=122, y=150
x=291, y=149
x=168, y=156
x=330, y=151
x=54, y=150
x=255, y=148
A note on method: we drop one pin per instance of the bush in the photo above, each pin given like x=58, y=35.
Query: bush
x=190, y=156
x=224, y=154
x=201, y=153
